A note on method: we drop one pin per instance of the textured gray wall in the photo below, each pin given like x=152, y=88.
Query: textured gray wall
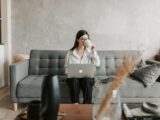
x=112, y=24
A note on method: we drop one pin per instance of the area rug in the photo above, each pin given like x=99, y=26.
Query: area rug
x=23, y=115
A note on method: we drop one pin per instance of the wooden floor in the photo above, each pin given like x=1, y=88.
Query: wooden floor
x=6, y=110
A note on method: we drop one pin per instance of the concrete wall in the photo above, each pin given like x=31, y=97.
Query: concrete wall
x=112, y=24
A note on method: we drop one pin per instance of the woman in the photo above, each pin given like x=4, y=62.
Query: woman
x=79, y=54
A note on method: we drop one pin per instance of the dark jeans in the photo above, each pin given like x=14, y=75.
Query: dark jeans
x=86, y=84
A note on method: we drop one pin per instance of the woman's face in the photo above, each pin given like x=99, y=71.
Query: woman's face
x=82, y=39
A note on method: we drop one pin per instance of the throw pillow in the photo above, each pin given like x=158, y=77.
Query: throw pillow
x=148, y=74
x=141, y=64
x=158, y=79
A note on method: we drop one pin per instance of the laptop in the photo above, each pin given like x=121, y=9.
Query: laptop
x=81, y=70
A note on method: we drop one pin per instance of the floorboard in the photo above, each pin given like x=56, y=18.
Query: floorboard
x=6, y=110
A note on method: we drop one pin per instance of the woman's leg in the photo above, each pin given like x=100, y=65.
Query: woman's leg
x=74, y=87
x=87, y=87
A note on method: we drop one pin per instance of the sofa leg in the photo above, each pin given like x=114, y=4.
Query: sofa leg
x=15, y=106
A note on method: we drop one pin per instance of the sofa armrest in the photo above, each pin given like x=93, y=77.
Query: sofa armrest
x=152, y=62
x=18, y=71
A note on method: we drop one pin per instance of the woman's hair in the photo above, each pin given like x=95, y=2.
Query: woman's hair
x=78, y=35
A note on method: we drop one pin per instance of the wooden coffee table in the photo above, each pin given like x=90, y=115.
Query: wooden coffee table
x=76, y=111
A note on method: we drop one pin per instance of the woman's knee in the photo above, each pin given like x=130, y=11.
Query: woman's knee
x=90, y=81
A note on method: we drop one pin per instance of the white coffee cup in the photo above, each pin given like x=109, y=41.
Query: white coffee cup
x=88, y=44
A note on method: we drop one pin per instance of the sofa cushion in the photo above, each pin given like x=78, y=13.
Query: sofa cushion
x=148, y=74
x=44, y=62
x=30, y=86
x=131, y=88
x=109, y=61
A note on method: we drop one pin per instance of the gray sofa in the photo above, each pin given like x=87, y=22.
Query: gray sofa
x=26, y=77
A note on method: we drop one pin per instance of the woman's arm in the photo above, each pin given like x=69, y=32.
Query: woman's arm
x=95, y=58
